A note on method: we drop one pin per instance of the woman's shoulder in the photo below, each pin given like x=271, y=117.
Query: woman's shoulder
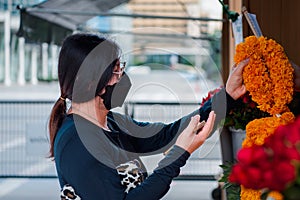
x=66, y=132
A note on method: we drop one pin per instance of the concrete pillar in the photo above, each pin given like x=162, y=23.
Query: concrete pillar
x=54, y=50
x=7, y=78
x=34, y=56
x=45, y=61
x=21, y=74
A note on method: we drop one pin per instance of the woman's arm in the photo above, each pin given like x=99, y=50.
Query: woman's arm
x=155, y=138
x=158, y=183
x=92, y=179
x=189, y=140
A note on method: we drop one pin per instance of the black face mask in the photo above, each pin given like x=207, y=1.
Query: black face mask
x=115, y=94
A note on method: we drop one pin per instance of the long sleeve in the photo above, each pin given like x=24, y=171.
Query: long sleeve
x=92, y=180
x=86, y=158
x=152, y=138
x=158, y=183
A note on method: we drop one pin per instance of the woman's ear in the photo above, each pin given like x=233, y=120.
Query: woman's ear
x=99, y=102
x=98, y=99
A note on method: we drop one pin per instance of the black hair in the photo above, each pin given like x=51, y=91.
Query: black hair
x=85, y=66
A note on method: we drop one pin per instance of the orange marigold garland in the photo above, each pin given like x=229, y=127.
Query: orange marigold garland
x=275, y=195
x=259, y=129
x=269, y=75
x=269, y=79
x=250, y=194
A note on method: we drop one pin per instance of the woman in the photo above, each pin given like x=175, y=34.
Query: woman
x=96, y=151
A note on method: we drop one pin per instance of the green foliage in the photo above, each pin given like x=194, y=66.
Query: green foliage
x=245, y=111
x=292, y=191
x=232, y=190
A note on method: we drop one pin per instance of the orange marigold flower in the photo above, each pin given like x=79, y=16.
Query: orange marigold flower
x=269, y=79
x=259, y=129
x=247, y=194
x=269, y=75
x=275, y=195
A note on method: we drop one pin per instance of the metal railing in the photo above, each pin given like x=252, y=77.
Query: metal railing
x=24, y=140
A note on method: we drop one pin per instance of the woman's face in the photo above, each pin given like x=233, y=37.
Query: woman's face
x=115, y=92
x=117, y=74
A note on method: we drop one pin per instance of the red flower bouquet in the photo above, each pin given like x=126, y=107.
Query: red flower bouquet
x=273, y=166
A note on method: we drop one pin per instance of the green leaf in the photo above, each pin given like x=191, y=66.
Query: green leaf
x=264, y=195
x=223, y=179
x=298, y=178
x=233, y=190
x=292, y=193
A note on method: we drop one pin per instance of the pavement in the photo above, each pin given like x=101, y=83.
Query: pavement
x=48, y=189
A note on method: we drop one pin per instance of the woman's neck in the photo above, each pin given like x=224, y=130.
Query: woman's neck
x=89, y=111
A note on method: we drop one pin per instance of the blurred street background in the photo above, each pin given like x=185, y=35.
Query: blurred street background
x=172, y=52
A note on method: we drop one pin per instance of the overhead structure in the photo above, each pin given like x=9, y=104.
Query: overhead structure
x=52, y=20
x=38, y=25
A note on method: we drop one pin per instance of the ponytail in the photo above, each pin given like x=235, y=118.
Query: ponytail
x=75, y=51
x=57, y=116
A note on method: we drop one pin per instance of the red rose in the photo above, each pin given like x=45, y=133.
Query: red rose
x=246, y=99
x=293, y=132
x=268, y=178
x=254, y=155
x=276, y=185
x=255, y=180
x=280, y=132
x=252, y=104
x=293, y=137
x=275, y=142
x=238, y=175
x=292, y=154
x=259, y=154
x=244, y=156
x=285, y=173
x=234, y=175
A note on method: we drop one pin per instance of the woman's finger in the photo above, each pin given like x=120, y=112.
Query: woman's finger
x=193, y=123
x=234, y=66
x=208, y=127
x=240, y=66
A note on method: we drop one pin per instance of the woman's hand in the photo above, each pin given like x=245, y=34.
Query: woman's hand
x=191, y=140
x=234, y=86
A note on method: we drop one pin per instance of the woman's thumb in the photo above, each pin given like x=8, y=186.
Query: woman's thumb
x=193, y=123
